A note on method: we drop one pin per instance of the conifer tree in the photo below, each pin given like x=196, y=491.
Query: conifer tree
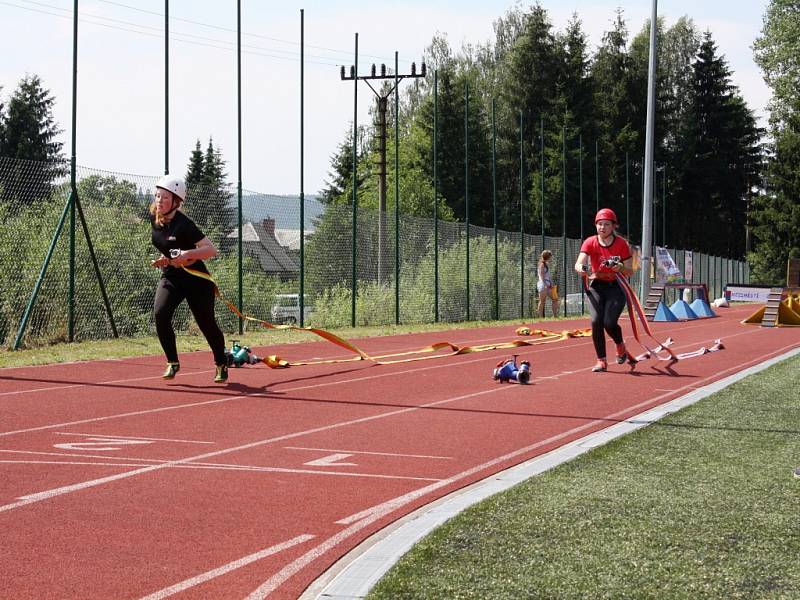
x=29, y=134
x=775, y=215
x=196, y=168
x=209, y=198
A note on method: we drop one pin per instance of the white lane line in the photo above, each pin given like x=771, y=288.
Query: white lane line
x=458, y=364
x=84, y=485
x=132, y=437
x=356, y=573
x=367, y=517
x=224, y=569
x=96, y=482
x=96, y=384
x=243, y=397
x=209, y=466
x=666, y=330
x=143, y=462
x=372, y=453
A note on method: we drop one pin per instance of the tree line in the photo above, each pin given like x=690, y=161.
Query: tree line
x=534, y=90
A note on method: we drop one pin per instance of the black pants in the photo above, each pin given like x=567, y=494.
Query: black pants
x=199, y=294
x=606, y=301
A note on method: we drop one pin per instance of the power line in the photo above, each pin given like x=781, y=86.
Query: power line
x=322, y=60
x=158, y=33
x=346, y=53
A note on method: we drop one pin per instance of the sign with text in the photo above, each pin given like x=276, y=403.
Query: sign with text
x=746, y=293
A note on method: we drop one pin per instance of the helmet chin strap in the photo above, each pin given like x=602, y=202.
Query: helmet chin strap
x=175, y=206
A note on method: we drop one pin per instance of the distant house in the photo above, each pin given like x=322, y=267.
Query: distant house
x=259, y=241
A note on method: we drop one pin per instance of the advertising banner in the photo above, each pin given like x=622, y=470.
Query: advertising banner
x=666, y=269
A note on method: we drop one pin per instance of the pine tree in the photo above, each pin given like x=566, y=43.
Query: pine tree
x=775, y=215
x=2, y=124
x=340, y=187
x=196, y=168
x=208, y=201
x=29, y=134
x=721, y=160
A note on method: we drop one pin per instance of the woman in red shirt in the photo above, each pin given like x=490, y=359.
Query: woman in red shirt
x=602, y=256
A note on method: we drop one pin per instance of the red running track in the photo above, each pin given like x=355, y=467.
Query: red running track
x=116, y=484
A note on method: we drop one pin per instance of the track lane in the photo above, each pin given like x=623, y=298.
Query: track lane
x=445, y=423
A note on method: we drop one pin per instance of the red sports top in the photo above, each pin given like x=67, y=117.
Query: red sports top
x=597, y=253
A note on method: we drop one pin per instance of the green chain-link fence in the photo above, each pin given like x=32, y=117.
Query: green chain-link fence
x=34, y=197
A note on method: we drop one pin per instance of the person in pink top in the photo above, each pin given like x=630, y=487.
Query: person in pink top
x=602, y=257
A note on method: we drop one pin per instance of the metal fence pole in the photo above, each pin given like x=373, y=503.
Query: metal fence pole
x=396, y=191
x=72, y=179
x=239, y=145
x=302, y=164
x=494, y=217
x=435, y=199
x=564, y=214
x=466, y=178
x=166, y=87
x=521, y=221
x=355, y=183
x=541, y=169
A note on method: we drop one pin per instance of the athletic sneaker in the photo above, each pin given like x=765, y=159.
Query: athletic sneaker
x=622, y=353
x=222, y=374
x=601, y=366
x=797, y=472
x=172, y=370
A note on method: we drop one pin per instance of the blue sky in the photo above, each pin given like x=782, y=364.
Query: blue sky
x=121, y=69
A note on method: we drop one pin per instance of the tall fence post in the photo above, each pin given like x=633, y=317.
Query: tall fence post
x=521, y=220
x=302, y=178
x=239, y=145
x=396, y=191
x=466, y=178
x=564, y=214
x=494, y=217
x=435, y=199
x=355, y=183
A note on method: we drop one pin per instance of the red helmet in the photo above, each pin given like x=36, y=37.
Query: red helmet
x=606, y=214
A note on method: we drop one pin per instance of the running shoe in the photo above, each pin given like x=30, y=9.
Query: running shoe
x=222, y=374
x=601, y=366
x=622, y=354
x=172, y=370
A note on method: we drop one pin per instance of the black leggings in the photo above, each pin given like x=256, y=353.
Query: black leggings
x=606, y=301
x=199, y=294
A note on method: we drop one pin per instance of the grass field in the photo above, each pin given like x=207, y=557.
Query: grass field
x=702, y=504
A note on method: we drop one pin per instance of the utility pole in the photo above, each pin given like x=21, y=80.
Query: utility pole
x=382, y=103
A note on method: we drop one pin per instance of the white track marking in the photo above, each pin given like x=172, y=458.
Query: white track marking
x=97, y=384
x=143, y=462
x=87, y=484
x=240, y=397
x=332, y=460
x=458, y=364
x=209, y=467
x=157, y=377
x=231, y=566
x=96, y=482
x=372, y=453
x=131, y=437
x=367, y=517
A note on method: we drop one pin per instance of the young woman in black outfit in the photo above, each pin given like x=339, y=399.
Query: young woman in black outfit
x=181, y=244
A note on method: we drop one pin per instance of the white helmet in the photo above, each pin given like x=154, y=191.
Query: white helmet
x=173, y=184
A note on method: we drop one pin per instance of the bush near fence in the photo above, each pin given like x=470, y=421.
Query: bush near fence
x=115, y=206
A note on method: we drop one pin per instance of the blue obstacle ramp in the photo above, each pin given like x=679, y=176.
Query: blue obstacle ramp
x=701, y=308
x=664, y=314
x=682, y=310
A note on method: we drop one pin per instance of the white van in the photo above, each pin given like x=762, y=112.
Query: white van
x=287, y=309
